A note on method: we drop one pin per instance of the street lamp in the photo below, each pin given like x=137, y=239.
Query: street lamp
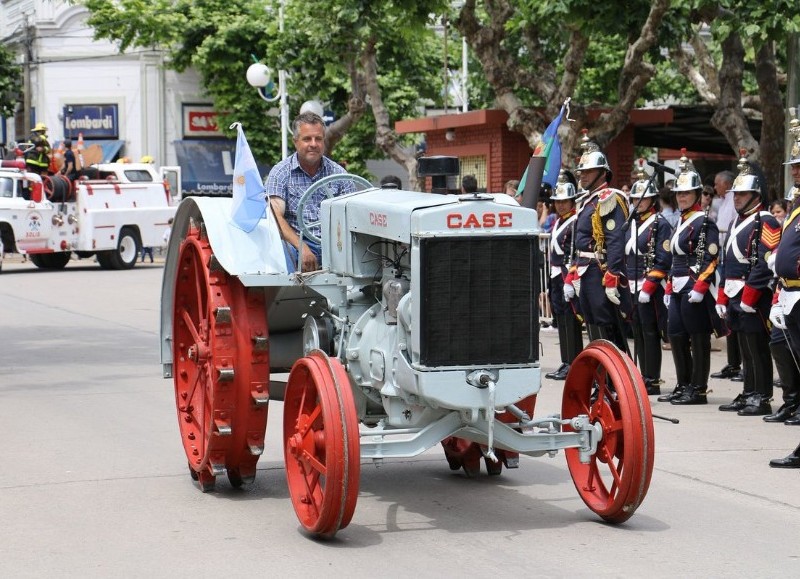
x=259, y=76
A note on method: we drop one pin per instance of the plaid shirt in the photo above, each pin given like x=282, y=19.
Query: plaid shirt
x=289, y=181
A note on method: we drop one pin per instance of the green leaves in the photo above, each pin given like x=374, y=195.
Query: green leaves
x=10, y=82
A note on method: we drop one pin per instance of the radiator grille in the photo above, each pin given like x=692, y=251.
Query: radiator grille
x=478, y=301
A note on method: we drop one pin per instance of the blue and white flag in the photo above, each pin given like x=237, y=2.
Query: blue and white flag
x=249, y=202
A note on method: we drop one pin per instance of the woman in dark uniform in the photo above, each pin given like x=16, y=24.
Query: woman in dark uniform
x=648, y=260
x=568, y=322
x=689, y=295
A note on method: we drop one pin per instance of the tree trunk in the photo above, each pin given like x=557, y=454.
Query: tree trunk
x=729, y=117
x=385, y=137
x=773, y=121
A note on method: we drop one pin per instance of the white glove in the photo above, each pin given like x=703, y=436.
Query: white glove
x=644, y=298
x=666, y=299
x=695, y=297
x=722, y=310
x=612, y=294
x=569, y=291
x=747, y=309
x=771, y=261
x=777, y=317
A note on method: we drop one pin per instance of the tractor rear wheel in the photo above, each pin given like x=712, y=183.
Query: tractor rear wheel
x=221, y=366
x=604, y=384
x=321, y=444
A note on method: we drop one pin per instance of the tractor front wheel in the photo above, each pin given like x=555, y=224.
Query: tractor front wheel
x=321, y=444
x=604, y=384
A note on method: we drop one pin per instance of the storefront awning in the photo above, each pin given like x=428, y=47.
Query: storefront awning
x=99, y=151
x=207, y=166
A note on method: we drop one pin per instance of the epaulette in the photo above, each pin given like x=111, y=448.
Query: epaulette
x=607, y=200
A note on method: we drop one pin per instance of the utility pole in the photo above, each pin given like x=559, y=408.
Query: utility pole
x=27, y=97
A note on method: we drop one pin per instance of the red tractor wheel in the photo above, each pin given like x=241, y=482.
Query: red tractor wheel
x=604, y=384
x=221, y=367
x=321, y=444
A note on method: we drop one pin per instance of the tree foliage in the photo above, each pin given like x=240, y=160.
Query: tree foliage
x=527, y=56
x=10, y=82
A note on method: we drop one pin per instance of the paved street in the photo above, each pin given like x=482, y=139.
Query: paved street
x=93, y=481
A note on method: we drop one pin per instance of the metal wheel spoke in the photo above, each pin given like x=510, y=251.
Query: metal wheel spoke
x=187, y=319
x=309, y=423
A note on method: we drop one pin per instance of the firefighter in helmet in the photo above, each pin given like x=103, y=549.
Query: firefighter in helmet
x=689, y=292
x=648, y=261
x=785, y=313
x=745, y=296
x=597, y=275
x=37, y=158
x=568, y=319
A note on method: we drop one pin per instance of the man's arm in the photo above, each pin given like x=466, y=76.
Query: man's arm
x=289, y=234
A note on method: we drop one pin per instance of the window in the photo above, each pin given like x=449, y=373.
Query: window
x=6, y=187
x=474, y=165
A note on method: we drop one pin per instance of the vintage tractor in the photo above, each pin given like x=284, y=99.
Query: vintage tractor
x=421, y=328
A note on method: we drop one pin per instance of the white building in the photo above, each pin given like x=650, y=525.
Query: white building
x=127, y=103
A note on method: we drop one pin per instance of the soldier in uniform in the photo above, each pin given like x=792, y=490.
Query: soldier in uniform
x=648, y=260
x=785, y=313
x=569, y=324
x=598, y=275
x=746, y=295
x=691, y=319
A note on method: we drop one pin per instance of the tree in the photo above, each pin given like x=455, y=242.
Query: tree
x=355, y=56
x=527, y=68
x=10, y=82
x=735, y=59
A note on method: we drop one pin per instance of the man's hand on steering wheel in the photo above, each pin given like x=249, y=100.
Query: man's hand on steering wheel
x=309, y=259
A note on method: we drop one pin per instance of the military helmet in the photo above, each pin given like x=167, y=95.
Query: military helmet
x=40, y=128
x=644, y=187
x=688, y=179
x=749, y=178
x=565, y=187
x=794, y=133
x=592, y=157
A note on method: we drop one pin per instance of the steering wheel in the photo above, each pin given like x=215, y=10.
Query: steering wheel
x=306, y=227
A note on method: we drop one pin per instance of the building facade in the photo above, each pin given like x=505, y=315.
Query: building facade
x=129, y=104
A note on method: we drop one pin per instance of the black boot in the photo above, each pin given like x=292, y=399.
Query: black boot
x=560, y=374
x=789, y=377
x=693, y=395
x=651, y=356
x=791, y=461
x=794, y=419
x=727, y=371
x=781, y=415
x=676, y=393
x=701, y=360
x=653, y=386
x=756, y=405
x=682, y=356
x=737, y=404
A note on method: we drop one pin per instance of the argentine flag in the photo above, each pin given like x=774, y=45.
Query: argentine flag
x=249, y=202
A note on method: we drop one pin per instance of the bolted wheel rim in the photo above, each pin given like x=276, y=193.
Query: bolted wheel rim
x=221, y=367
x=604, y=384
x=321, y=444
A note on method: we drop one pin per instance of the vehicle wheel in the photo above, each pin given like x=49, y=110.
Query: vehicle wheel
x=321, y=444
x=604, y=384
x=105, y=259
x=50, y=260
x=221, y=366
x=128, y=249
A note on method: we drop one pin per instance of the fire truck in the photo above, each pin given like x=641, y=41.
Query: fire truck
x=111, y=211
